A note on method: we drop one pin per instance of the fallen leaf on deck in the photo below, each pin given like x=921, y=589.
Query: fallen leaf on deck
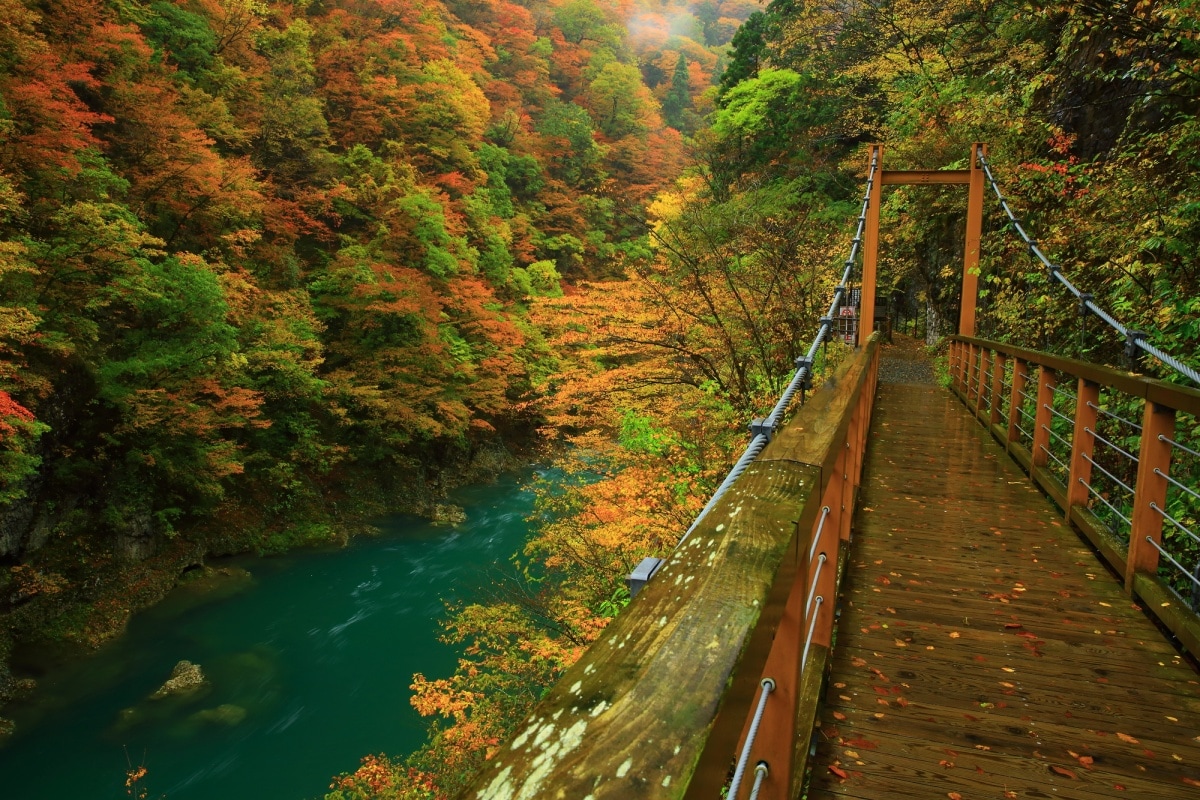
x=839, y=772
x=839, y=716
x=1191, y=782
x=1066, y=773
x=1086, y=761
x=1125, y=737
x=954, y=796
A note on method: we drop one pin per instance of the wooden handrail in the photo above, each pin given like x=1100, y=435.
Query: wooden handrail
x=655, y=708
x=1136, y=562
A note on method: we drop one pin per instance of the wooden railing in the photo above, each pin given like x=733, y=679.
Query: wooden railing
x=659, y=706
x=1102, y=444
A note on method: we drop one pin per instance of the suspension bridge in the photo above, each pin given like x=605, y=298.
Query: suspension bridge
x=911, y=590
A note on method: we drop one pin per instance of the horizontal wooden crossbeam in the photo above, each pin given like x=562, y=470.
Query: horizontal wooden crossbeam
x=898, y=177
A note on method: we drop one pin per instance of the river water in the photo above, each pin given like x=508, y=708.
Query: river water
x=309, y=666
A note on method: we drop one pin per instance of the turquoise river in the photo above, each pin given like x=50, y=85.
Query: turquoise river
x=309, y=665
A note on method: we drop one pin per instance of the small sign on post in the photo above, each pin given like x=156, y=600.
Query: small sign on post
x=848, y=325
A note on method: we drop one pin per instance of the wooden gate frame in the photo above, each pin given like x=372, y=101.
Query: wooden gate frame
x=973, y=179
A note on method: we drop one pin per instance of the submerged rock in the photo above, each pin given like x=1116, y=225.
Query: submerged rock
x=185, y=679
x=224, y=714
x=445, y=514
x=126, y=719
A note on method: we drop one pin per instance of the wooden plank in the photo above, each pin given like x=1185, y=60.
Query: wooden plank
x=1002, y=631
x=926, y=177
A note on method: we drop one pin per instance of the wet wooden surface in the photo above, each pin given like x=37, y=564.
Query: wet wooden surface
x=983, y=651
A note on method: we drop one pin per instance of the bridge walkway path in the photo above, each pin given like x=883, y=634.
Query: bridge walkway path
x=982, y=650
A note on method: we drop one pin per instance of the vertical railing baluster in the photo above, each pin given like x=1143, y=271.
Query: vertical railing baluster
x=985, y=356
x=999, y=364
x=1019, y=379
x=971, y=350
x=1154, y=464
x=964, y=355
x=1083, y=443
x=1042, y=418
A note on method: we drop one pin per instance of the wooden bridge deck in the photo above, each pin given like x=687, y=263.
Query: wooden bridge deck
x=983, y=651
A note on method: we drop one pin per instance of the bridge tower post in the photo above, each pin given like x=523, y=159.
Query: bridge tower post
x=970, y=284
x=870, y=258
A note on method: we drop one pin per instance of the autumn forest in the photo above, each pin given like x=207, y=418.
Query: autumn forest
x=271, y=268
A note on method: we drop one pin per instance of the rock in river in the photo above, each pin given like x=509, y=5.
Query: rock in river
x=224, y=714
x=185, y=679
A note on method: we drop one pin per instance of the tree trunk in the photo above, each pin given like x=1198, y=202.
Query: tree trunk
x=932, y=323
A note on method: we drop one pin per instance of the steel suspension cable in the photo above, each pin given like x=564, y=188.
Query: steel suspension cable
x=1133, y=338
x=762, y=430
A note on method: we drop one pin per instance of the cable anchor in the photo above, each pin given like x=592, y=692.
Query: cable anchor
x=1084, y=299
x=805, y=363
x=760, y=427
x=1133, y=353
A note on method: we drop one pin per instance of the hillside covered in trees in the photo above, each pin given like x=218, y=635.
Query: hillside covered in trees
x=265, y=267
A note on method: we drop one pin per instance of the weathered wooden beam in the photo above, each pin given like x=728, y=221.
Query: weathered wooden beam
x=925, y=177
x=654, y=708
x=1180, y=398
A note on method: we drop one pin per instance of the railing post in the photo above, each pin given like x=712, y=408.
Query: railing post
x=972, y=352
x=842, y=476
x=777, y=730
x=1016, y=399
x=1043, y=419
x=968, y=367
x=1154, y=464
x=998, y=366
x=964, y=369
x=825, y=584
x=970, y=284
x=984, y=357
x=1083, y=444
